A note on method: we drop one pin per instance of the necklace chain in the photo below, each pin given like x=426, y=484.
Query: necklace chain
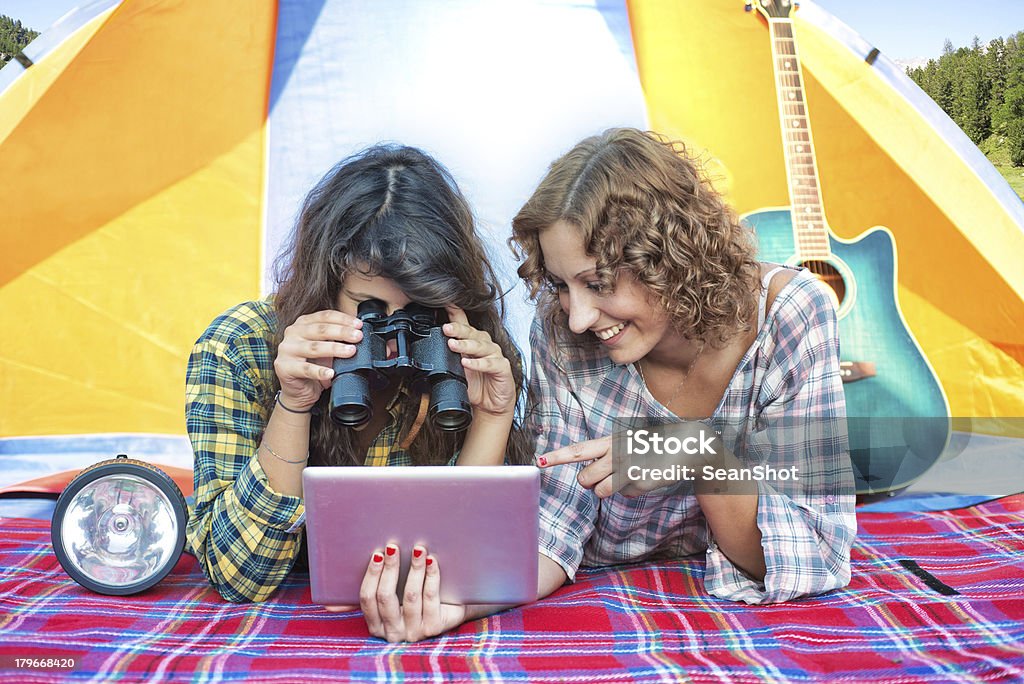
x=679, y=387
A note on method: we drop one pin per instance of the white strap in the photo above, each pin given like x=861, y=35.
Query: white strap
x=763, y=300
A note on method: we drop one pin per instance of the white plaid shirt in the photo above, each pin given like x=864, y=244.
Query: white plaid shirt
x=789, y=375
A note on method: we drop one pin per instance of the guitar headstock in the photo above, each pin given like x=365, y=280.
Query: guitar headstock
x=773, y=9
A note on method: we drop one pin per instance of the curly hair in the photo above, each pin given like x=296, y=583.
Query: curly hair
x=391, y=211
x=642, y=203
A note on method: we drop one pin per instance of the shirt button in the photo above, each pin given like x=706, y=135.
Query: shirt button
x=830, y=499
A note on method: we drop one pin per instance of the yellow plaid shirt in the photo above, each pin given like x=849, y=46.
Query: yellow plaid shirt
x=246, y=536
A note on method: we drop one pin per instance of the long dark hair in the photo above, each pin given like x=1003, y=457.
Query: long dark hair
x=391, y=211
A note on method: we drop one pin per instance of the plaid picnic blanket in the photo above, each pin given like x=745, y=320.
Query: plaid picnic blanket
x=935, y=597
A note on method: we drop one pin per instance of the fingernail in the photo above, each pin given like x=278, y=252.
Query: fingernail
x=390, y=550
x=327, y=372
x=377, y=558
x=416, y=553
x=541, y=461
x=430, y=561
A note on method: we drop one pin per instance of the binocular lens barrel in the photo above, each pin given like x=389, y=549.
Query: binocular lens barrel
x=350, y=400
x=449, y=406
x=423, y=359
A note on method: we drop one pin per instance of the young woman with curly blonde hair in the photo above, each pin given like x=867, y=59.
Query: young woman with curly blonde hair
x=654, y=312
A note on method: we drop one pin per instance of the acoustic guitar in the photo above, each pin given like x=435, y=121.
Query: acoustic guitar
x=898, y=416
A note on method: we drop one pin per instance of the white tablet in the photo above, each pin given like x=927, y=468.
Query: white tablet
x=479, y=522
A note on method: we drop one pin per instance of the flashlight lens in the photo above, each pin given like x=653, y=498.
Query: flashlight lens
x=119, y=528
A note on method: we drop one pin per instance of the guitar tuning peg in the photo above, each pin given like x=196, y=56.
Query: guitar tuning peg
x=748, y=7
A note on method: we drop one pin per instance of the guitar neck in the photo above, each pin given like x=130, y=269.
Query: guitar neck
x=809, y=229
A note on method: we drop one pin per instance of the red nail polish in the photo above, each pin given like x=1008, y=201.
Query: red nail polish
x=430, y=561
x=416, y=553
x=541, y=461
x=390, y=550
x=377, y=558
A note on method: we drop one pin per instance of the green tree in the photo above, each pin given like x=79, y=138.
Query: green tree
x=1008, y=117
x=13, y=38
x=971, y=88
x=995, y=68
x=982, y=89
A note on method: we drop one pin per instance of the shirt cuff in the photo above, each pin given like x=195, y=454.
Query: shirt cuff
x=726, y=581
x=570, y=572
x=563, y=553
x=794, y=564
x=299, y=523
x=263, y=504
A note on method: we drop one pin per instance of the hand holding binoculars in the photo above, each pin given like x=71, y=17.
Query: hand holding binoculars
x=421, y=356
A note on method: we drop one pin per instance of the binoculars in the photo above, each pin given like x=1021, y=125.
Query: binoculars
x=422, y=356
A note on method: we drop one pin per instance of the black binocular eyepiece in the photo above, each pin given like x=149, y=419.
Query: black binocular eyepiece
x=421, y=356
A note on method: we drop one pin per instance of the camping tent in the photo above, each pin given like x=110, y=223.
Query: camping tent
x=155, y=153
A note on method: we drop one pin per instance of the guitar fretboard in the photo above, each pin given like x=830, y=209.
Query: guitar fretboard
x=809, y=229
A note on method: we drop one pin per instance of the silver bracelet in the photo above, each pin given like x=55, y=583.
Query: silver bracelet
x=281, y=458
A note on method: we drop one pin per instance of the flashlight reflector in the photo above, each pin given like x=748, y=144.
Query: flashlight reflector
x=119, y=527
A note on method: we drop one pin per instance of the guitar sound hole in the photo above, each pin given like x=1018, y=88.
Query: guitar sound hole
x=828, y=274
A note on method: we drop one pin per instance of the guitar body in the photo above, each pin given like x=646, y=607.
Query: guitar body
x=898, y=417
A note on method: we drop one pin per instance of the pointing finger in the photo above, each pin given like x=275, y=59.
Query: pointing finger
x=576, y=453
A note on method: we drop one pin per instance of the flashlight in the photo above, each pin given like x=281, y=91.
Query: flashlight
x=119, y=526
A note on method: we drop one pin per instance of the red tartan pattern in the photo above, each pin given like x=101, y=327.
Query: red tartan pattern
x=647, y=622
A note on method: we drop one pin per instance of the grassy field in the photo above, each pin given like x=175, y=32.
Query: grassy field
x=1014, y=175
x=1000, y=158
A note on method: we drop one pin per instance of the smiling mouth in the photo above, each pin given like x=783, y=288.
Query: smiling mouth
x=609, y=333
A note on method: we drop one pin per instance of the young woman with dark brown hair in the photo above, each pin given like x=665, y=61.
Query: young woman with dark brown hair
x=387, y=224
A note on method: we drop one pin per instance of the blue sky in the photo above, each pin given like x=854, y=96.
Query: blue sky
x=38, y=14
x=902, y=29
